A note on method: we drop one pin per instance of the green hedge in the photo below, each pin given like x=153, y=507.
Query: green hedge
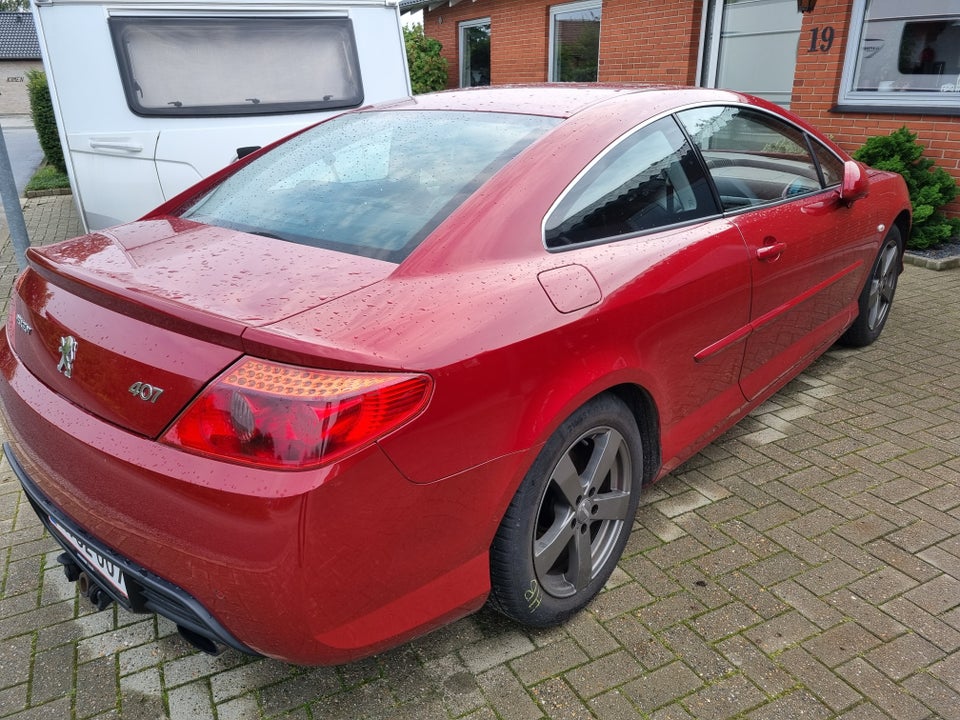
x=41, y=107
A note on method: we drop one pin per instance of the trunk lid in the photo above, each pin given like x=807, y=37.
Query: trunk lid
x=131, y=323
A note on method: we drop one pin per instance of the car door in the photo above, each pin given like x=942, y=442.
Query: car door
x=673, y=272
x=807, y=248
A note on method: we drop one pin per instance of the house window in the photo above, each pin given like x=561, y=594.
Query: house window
x=903, y=56
x=236, y=66
x=475, y=53
x=574, y=42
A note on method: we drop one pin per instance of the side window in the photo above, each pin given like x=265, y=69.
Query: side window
x=830, y=165
x=754, y=158
x=650, y=180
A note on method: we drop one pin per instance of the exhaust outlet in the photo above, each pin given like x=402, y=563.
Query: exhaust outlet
x=200, y=642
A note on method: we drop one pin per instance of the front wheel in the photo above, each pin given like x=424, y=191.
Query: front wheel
x=876, y=299
x=566, y=527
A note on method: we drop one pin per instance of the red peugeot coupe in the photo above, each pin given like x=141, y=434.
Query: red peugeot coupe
x=425, y=355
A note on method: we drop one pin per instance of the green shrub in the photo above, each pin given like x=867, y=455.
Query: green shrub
x=428, y=68
x=41, y=107
x=930, y=187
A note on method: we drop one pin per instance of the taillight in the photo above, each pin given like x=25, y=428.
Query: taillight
x=288, y=417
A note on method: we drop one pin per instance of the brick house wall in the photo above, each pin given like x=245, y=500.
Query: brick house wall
x=659, y=42
x=639, y=41
x=817, y=84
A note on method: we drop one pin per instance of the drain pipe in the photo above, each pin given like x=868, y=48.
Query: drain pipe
x=11, y=206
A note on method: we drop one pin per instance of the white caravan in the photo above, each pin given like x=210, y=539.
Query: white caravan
x=152, y=95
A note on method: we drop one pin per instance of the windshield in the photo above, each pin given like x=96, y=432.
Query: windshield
x=372, y=183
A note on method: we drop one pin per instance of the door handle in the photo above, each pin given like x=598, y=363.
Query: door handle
x=111, y=145
x=771, y=251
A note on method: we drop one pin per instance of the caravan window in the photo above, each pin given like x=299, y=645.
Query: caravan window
x=236, y=66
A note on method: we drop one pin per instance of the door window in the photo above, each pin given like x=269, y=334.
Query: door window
x=754, y=158
x=650, y=180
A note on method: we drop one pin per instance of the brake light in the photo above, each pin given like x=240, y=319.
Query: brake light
x=288, y=417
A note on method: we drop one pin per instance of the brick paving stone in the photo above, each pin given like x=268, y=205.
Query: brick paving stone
x=662, y=686
x=702, y=657
x=904, y=656
x=809, y=605
x=939, y=697
x=798, y=704
x=728, y=698
x=96, y=688
x=53, y=673
x=818, y=679
x=882, y=691
x=507, y=696
x=191, y=702
x=923, y=623
x=559, y=702
x=840, y=644
x=755, y=665
x=591, y=635
x=554, y=659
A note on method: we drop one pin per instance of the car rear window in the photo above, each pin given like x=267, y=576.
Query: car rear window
x=370, y=183
x=236, y=66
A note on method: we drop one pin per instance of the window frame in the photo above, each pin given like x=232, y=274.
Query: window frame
x=556, y=10
x=120, y=23
x=461, y=28
x=852, y=100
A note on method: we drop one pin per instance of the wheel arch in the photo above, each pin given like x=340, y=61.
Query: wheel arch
x=644, y=411
x=903, y=223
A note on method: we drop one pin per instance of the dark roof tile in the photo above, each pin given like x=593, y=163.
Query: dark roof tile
x=18, y=37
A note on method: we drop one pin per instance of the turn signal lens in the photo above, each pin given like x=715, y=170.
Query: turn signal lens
x=288, y=417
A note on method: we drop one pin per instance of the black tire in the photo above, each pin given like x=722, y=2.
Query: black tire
x=876, y=299
x=566, y=527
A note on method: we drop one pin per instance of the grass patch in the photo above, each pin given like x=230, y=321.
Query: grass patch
x=48, y=178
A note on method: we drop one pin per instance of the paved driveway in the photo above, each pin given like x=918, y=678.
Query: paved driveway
x=806, y=565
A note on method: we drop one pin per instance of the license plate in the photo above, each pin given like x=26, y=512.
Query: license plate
x=105, y=569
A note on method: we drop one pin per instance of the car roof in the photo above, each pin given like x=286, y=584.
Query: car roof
x=560, y=100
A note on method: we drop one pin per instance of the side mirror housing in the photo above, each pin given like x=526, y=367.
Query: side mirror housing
x=856, y=182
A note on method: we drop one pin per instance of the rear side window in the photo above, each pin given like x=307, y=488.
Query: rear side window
x=650, y=180
x=236, y=66
x=754, y=158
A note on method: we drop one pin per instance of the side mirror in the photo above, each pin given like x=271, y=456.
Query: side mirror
x=856, y=182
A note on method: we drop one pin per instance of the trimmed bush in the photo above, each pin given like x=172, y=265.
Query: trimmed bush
x=428, y=68
x=930, y=187
x=41, y=107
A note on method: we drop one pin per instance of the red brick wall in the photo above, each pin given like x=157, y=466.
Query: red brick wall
x=817, y=87
x=643, y=41
x=518, y=37
x=639, y=41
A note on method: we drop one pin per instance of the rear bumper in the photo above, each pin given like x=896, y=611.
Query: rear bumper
x=316, y=567
x=146, y=592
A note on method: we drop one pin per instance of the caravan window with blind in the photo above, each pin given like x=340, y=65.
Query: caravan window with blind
x=236, y=66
